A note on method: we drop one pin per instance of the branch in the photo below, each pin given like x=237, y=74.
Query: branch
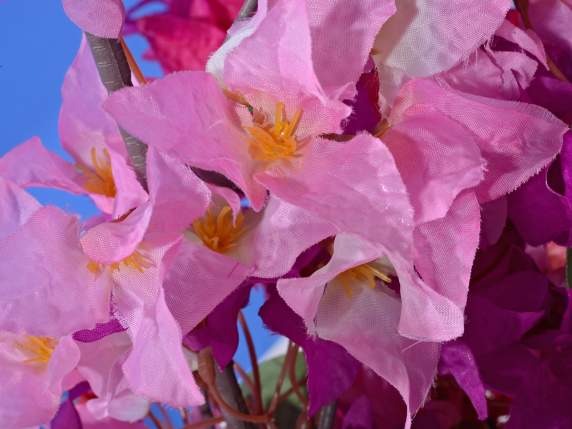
x=327, y=416
x=248, y=8
x=115, y=74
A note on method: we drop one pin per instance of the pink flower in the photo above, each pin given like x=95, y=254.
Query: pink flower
x=101, y=168
x=47, y=293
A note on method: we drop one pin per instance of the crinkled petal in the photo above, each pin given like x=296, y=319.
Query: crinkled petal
x=102, y=18
x=354, y=185
x=198, y=281
x=445, y=249
x=515, y=139
x=16, y=208
x=360, y=22
x=45, y=286
x=423, y=143
x=172, y=116
x=156, y=367
x=366, y=326
x=83, y=124
x=42, y=168
x=439, y=30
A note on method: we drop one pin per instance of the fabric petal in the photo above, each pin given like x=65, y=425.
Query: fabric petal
x=45, y=287
x=102, y=18
x=438, y=29
x=17, y=207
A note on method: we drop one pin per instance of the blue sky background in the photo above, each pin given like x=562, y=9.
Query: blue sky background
x=38, y=44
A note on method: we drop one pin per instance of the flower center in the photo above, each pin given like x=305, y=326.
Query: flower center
x=37, y=349
x=137, y=261
x=273, y=142
x=218, y=232
x=360, y=273
x=99, y=179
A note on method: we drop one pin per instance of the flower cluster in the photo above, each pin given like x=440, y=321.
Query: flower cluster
x=396, y=175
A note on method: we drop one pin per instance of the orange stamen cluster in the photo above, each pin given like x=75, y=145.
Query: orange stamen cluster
x=136, y=261
x=99, y=178
x=38, y=349
x=274, y=142
x=360, y=273
x=219, y=232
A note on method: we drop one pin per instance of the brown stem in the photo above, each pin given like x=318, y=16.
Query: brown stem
x=327, y=416
x=205, y=424
x=294, y=379
x=155, y=420
x=132, y=63
x=254, y=362
x=281, y=377
x=115, y=74
x=247, y=380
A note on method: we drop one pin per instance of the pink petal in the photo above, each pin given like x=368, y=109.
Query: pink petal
x=31, y=396
x=445, y=249
x=83, y=124
x=280, y=236
x=171, y=115
x=515, y=139
x=303, y=294
x=348, y=28
x=179, y=197
x=550, y=20
x=275, y=64
x=354, y=185
x=439, y=30
x=156, y=367
x=527, y=40
x=102, y=18
x=113, y=241
x=129, y=192
x=45, y=287
x=16, y=208
x=366, y=326
x=43, y=168
x=198, y=281
x=423, y=143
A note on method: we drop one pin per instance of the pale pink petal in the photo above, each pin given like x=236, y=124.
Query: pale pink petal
x=30, y=395
x=366, y=326
x=426, y=37
x=45, y=286
x=516, y=139
x=445, y=249
x=83, y=124
x=423, y=143
x=129, y=192
x=283, y=232
x=527, y=40
x=303, y=294
x=349, y=29
x=178, y=195
x=156, y=367
x=495, y=74
x=102, y=18
x=172, y=116
x=275, y=64
x=113, y=241
x=100, y=365
x=16, y=208
x=30, y=164
x=198, y=281
x=229, y=195
x=354, y=185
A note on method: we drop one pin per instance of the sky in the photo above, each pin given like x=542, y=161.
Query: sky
x=38, y=44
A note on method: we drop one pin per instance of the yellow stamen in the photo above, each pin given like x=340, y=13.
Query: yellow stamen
x=99, y=179
x=137, y=261
x=38, y=349
x=360, y=273
x=218, y=232
x=274, y=142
